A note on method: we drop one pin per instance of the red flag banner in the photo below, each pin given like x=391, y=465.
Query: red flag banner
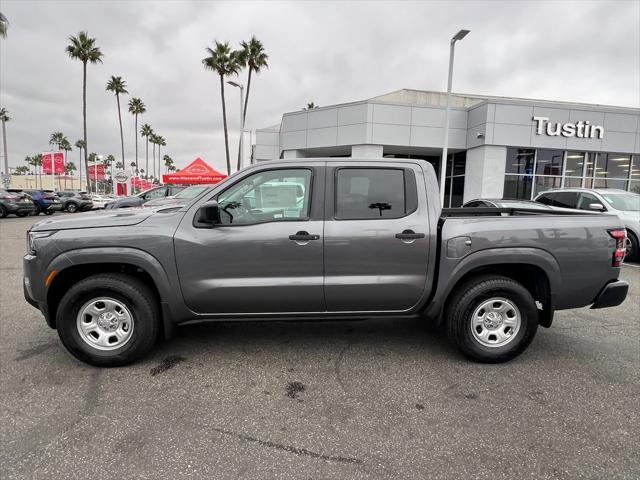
x=96, y=170
x=58, y=162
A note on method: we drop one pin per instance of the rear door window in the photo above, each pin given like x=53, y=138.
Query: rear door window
x=371, y=193
x=565, y=200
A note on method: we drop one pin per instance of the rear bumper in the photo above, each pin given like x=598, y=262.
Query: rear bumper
x=613, y=294
x=17, y=208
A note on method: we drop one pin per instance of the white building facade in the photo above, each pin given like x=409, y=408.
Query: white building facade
x=498, y=147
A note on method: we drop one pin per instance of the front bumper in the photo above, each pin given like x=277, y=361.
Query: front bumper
x=33, y=287
x=612, y=295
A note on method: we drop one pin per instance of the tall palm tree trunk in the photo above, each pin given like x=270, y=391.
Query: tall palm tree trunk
x=224, y=120
x=159, y=165
x=146, y=168
x=122, y=136
x=84, y=121
x=4, y=142
x=154, y=161
x=79, y=172
x=136, y=127
x=244, y=116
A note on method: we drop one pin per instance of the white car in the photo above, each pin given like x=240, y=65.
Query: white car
x=99, y=201
x=626, y=205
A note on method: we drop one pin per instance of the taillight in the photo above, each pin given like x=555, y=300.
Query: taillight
x=620, y=235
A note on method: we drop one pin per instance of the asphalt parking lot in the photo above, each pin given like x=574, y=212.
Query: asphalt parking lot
x=335, y=400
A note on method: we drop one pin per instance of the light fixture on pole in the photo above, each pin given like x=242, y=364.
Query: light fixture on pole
x=241, y=146
x=443, y=161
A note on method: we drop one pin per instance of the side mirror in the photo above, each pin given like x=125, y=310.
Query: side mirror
x=598, y=207
x=207, y=215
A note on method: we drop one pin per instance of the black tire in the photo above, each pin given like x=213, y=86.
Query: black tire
x=469, y=296
x=3, y=211
x=71, y=207
x=48, y=212
x=22, y=214
x=138, y=299
x=36, y=212
x=633, y=248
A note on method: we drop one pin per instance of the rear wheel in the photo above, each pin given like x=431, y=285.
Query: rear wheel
x=492, y=318
x=3, y=211
x=48, y=212
x=72, y=207
x=108, y=320
x=633, y=249
x=36, y=212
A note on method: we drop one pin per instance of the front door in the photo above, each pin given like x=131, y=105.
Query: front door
x=376, y=237
x=266, y=255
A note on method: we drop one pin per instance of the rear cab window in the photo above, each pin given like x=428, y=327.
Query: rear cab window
x=372, y=193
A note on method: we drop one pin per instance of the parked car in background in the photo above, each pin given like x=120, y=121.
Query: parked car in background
x=15, y=203
x=626, y=205
x=501, y=203
x=368, y=239
x=139, y=199
x=74, y=202
x=45, y=201
x=180, y=198
x=99, y=201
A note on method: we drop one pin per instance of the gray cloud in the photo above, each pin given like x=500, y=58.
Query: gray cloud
x=326, y=52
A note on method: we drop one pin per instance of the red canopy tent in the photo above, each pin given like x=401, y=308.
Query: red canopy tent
x=197, y=171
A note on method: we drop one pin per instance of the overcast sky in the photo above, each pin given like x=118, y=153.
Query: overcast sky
x=326, y=52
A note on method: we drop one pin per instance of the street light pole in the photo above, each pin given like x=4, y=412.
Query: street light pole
x=443, y=161
x=241, y=145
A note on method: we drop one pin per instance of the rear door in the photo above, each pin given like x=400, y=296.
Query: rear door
x=376, y=236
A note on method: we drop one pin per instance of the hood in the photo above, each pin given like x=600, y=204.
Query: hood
x=105, y=218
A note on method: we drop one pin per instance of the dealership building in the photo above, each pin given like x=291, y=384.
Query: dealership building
x=499, y=147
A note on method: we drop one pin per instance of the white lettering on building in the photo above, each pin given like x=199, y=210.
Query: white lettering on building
x=581, y=129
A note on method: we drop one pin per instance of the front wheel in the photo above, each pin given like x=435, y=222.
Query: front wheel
x=72, y=207
x=492, y=319
x=108, y=320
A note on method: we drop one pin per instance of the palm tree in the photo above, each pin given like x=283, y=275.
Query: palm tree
x=83, y=48
x=168, y=163
x=120, y=165
x=21, y=170
x=66, y=147
x=310, y=106
x=161, y=143
x=146, y=131
x=80, y=145
x=69, y=168
x=253, y=56
x=36, y=163
x=153, y=140
x=224, y=62
x=107, y=162
x=4, y=117
x=4, y=25
x=118, y=86
x=136, y=107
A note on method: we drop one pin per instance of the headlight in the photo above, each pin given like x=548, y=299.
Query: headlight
x=32, y=237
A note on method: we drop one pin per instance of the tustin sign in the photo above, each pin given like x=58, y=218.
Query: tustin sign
x=581, y=129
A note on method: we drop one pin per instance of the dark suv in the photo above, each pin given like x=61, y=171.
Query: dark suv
x=45, y=201
x=17, y=203
x=143, y=197
x=74, y=202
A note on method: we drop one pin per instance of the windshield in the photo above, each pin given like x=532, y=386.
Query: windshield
x=623, y=201
x=191, y=192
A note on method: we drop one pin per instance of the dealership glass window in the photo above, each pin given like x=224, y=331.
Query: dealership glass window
x=546, y=183
x=454, y=186
x=549, y=162
x=517, y=186
x=634, y=174
x=613, y=165
x=520, y=160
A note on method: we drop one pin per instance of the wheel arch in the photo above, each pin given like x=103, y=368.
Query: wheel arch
x=77, y=265
x=537, y=270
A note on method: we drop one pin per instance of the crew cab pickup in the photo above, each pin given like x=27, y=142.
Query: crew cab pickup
x=326, y=238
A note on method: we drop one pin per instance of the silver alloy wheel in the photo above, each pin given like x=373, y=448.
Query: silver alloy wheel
x=495, y=322
x=72, y=208
x=105, y=323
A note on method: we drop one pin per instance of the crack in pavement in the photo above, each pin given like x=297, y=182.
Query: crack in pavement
x=288, y=448
x=337, y=366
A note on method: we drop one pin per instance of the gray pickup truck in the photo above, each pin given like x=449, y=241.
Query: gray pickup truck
x=319, y=239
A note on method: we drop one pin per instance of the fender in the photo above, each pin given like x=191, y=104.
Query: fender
x=131, y=256
x=450, y=273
